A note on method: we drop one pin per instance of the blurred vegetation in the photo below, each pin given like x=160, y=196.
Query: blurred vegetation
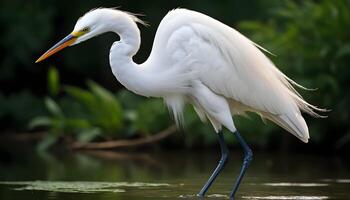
x=313, y=46
x=95, y=113
x=310, y=39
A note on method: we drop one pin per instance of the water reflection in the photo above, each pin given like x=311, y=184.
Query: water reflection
x=79, y=187
x=130, y=175
x=289, y=197
x=296, y=184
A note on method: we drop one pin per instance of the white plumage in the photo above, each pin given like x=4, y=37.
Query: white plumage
x=231, y=66
x=200, y=60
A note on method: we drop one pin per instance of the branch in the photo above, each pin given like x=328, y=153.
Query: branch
x=126, y=143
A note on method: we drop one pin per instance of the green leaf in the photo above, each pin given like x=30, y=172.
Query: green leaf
x=87, y=135
x=53, y=81
x=130, y=115
x=53, y=107
x=83, y=96
x=152, y=116
x=104, y=108
x=343, y=51
x=108, y=111
x=77, y=123
x=47, y=142
x=100, y=91
x=39, y=122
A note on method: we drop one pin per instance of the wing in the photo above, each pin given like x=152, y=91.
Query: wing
x=232, y=66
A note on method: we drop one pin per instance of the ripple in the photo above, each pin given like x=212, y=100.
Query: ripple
x=287, y=197
x=218, y=196
x=296, y=184
x=337, y=180
x=79, y=186
x=188, y=196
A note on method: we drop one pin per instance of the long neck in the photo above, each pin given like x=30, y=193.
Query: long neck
x=141, y=79
x=123, y=67
x=124, y=25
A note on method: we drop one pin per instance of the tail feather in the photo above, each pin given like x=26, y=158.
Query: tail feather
x=294, y=124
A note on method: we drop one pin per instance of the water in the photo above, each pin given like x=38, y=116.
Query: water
x=167, y=176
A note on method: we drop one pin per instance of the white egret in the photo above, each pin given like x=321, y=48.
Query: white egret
x=198, y=60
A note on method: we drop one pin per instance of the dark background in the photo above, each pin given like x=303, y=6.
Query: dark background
x=310, y=38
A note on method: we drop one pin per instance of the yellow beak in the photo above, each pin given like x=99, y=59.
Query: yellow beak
x=67, y=41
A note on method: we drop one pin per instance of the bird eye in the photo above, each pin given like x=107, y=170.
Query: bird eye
x=86, y=29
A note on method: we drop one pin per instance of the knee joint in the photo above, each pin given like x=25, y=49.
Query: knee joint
x=248, y=155
x=224, y=157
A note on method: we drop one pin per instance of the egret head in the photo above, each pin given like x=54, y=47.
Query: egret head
x=86, y=27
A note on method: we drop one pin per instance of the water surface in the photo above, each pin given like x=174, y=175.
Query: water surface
x=168, y=175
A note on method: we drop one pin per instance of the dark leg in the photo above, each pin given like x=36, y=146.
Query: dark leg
x=222, y=162
x=248, y=156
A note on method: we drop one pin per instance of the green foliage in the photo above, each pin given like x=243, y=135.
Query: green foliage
x=87, y=114
x=152, y=116
x=53, y=81
x=25, y=26
x=96, y=113
x=312, y=45
x=310, y=38
x=105, y=110
x=17, y=109
x=58, y=124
